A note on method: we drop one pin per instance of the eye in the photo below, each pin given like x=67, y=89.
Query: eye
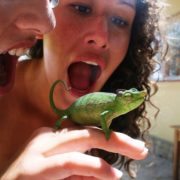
x=119, y=22
x=53, y=3
x=134, y=90
x=83, y=9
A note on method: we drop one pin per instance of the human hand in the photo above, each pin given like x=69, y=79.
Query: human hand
x=60, y=155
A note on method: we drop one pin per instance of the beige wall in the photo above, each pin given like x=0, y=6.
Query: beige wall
x=168, y=96
x=173, y=6
x=168, y=100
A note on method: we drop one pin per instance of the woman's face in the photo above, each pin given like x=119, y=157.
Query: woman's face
x=90, y=40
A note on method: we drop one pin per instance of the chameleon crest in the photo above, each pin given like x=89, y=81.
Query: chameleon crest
x=98, y=108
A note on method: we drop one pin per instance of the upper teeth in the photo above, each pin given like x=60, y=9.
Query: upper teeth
x=91, y=63
x=18, y=52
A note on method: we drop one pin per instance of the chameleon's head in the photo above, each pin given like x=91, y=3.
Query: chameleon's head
x=128, y=100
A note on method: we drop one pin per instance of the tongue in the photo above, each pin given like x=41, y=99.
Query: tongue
x=82, y=75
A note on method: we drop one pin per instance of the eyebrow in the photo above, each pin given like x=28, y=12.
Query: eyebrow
x=130, y=3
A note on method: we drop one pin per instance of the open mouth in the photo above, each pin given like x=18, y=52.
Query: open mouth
x=7, y=72
x=82, y=76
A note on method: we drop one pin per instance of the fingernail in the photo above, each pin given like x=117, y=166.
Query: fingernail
x=140, y=143
x=145, y=152
x=118, y=173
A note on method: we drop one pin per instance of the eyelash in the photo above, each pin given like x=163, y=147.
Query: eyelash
x=86, y=10
x=82, y=9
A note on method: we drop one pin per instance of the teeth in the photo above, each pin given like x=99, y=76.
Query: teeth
x=91, y=63
x=19, y=51
x=3, y=52
x=12, y=52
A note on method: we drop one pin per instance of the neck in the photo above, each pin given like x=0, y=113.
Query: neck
x=35, y=90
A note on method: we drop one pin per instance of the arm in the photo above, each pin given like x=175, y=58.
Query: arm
x=61, y=155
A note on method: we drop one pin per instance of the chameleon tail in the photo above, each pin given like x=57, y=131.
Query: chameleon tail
x=55, y=109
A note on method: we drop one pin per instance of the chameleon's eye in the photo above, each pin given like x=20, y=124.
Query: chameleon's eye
x=134, y=90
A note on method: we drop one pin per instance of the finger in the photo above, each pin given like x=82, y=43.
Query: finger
x=84, y=139
x=78, y=164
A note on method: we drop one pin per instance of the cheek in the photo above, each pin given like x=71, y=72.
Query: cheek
x=65, y=39
x=119, y=49
x=67, y=28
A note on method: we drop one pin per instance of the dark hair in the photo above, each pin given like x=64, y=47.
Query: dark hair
x=134, y=71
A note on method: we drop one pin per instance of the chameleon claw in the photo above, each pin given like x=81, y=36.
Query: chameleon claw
x=57, y=124
x=59, y=121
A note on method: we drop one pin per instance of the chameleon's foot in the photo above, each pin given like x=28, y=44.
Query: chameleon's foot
x=57, y=125
x=59, y=121
x=108, y=133
x=104, y=126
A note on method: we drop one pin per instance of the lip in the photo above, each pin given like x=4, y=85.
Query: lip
x=78, y=93
x=23, y=44
x=91, y=58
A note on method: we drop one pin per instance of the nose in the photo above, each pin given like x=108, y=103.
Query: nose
x=38, y=18
x=97, y=33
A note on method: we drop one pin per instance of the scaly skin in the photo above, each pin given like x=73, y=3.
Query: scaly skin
x=98, y=108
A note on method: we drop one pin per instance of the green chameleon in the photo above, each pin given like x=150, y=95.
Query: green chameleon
x=98, y=108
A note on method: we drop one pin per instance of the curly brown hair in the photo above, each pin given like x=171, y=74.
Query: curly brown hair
x=134, y=71
x=138, y=65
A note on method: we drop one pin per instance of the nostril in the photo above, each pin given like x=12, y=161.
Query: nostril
x=92, y=42
x=104, y=46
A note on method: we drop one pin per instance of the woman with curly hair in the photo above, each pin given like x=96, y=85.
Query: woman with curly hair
x=97, y=45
